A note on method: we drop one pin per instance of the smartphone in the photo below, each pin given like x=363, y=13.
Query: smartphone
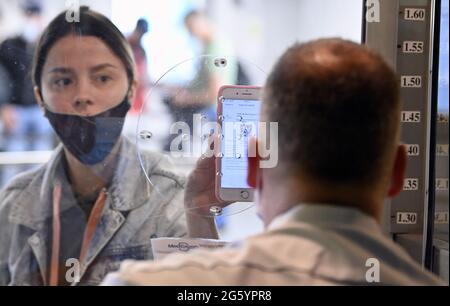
x=238, y=113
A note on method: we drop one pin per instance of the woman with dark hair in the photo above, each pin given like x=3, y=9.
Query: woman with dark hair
x=77, y=217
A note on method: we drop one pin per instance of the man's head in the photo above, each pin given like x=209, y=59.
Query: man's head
x=33, y=24
x=142, y=26
x=199, y=26
x=32, y=8
x=338, y=109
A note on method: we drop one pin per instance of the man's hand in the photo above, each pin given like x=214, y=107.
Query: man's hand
x=200, y=196
x=200, y=190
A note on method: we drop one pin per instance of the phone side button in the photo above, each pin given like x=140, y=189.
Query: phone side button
x=245, y=195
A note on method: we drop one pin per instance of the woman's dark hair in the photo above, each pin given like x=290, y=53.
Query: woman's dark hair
x=90, y=23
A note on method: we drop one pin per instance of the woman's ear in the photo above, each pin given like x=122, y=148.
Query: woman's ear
x=38, y=97
x=132, y=91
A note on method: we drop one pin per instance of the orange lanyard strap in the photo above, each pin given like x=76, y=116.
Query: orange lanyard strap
x=89, y=231
x=94, y=219
x=56, y=233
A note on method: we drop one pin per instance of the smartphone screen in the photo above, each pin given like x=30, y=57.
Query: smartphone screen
x=240, y=123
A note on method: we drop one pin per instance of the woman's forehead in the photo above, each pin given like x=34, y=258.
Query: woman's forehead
x=80, y=52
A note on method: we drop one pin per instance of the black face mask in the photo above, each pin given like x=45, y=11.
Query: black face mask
x=90, y=139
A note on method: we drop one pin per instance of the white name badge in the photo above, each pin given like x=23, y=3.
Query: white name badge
x=165, y=246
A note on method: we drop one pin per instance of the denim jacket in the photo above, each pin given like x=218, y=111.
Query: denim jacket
x=135, y=211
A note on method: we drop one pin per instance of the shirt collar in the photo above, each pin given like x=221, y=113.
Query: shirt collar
x=326, y=216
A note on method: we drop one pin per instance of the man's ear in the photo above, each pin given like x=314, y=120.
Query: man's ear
x=398, y=171
x=253, y=163
x=38, y=97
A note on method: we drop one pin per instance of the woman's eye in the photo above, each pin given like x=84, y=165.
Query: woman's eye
x=104, y=78
x=63, y=82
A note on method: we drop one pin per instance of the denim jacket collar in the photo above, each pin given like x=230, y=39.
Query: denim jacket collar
x=124, y=193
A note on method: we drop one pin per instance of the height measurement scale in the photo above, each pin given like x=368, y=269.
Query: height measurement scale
x=406, y=34
x=413, y=66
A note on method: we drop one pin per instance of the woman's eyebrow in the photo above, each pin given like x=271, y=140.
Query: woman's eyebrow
x=61, y=70
x=70, y=70
x=102, y=66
